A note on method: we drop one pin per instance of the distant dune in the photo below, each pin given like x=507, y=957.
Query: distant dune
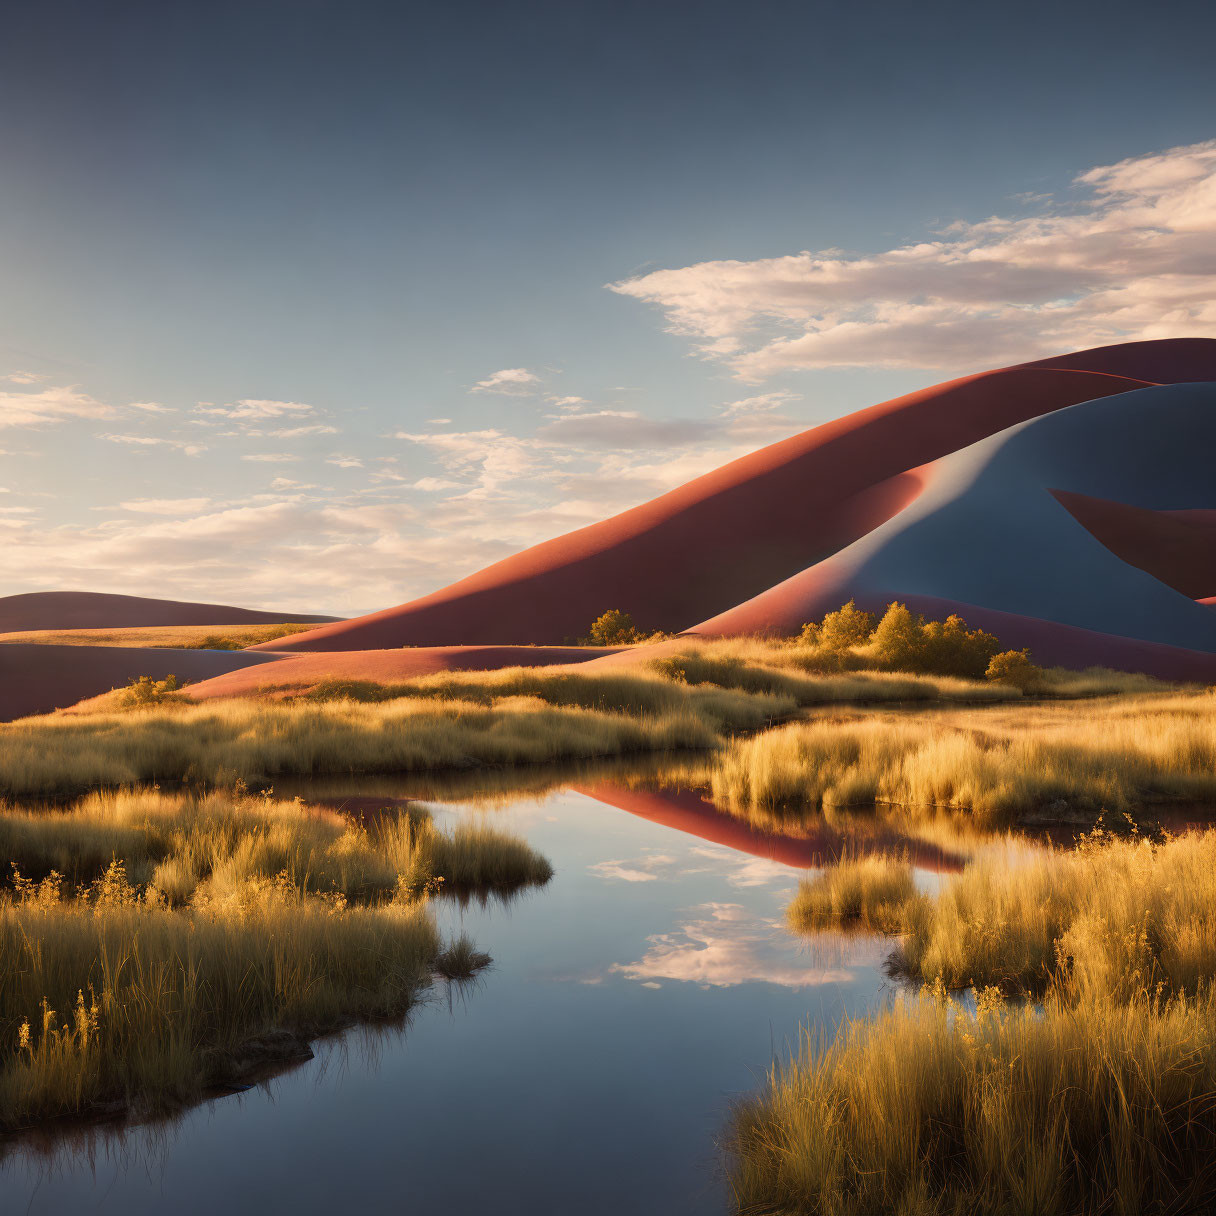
x=95, y=610
x=727, y=537
x=38, y=679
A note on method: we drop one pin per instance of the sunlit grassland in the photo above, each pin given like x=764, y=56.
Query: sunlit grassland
x=869, y=892
x=928, y=1109
x=1116, y=753
x=175, y=637
x=149, y=943
x=693, y=698
x=1100, y=1100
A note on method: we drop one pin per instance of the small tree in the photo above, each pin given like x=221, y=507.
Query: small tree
x=1014, y=667
x=899, y=640
x=845, y=628
x=614, y=628
x=951, y=649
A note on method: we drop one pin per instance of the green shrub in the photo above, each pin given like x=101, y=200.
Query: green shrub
x=1014, y=667
x=614, y=628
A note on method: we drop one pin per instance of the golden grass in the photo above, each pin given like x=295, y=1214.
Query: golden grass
x=1102, y=1100
x=218, y=742
x=1115, y=754
x=928, y=1109
x=868, y=892
x=173, y=637
x=239, y=923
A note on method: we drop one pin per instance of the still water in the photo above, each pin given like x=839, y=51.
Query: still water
x=592, y=1069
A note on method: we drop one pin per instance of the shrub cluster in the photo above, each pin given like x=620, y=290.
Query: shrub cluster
x=906, y=641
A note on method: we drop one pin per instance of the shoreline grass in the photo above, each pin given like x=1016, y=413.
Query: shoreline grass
x=238, y=929
x=1116, y=754
x=1102, y=1099
x=930, y=1109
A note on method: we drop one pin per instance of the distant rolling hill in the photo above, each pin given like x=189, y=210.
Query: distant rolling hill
x=41, y=610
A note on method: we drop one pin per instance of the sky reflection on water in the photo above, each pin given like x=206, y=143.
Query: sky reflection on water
x=591, y=1070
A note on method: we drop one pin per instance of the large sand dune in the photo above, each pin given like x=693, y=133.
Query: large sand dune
x=990, y=530
x=95, y=610
x=728, y=536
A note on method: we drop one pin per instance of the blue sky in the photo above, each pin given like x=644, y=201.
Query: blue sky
x=311, y=305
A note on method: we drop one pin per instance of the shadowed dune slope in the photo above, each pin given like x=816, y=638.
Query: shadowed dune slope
x=990, y=532
x=742, y=528
x=298, y=672
x=38, y=679
x=95, y=610
x=1177, y=547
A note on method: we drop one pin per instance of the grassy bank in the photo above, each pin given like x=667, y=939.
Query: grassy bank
x=689, y=699
x=1116, y=754
x=226, y=932
x=1101, y=1100
x=930, y=1110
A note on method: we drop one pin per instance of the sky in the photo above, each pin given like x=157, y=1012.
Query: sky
x=321, y=306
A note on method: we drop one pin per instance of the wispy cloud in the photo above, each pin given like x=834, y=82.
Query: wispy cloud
x=49, y=405
x=1133, y=256
x=510, y=382
x=249, y=408
x=156, y=441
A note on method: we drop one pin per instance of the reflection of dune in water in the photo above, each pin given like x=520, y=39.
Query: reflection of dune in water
x=819, y=843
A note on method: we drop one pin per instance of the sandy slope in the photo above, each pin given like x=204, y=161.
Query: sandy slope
x=296, y=672
x=990, y=532
x=94, y=610
x=727, y=536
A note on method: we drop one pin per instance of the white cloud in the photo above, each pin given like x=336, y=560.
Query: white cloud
x=293, y=432
x=510, y=382
x=270, y=457
x=165, y=506
x=155, y=441
x=728, y=945
x=248, y=408
x=1135, y=257
x=49, y=405
x=24, y=378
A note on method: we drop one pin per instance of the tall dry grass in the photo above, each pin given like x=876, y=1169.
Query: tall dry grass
x=930, y=1109
x=237, y=923
x=219, y=742
x=867, y=892
x=1114, y=754
x=1102, y=1100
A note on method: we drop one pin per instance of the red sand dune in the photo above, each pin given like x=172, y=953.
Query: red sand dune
x=293, y=672
x=688, y=812
x=1177, y=547
x=783, y=609
x=38, y=679
x=94, y=610
x=738, y=530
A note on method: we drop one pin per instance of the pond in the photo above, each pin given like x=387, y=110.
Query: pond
x=591, y=1069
